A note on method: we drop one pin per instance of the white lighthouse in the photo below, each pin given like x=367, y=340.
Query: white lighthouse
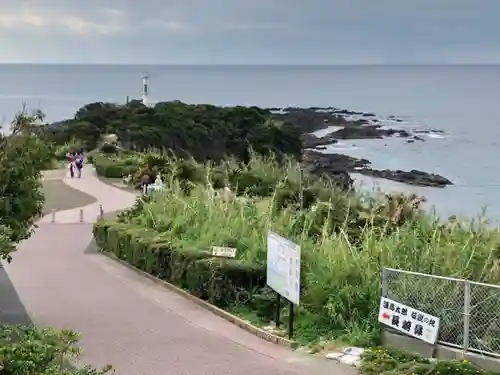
x=145, y=89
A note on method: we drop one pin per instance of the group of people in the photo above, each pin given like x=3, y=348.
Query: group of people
x=75, y=162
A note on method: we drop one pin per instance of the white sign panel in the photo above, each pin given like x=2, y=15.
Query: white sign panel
x=408, y=320
x=226, y=252
x=283, y=267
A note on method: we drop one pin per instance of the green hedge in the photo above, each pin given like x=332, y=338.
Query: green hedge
x=113, y=168
x=222, y=282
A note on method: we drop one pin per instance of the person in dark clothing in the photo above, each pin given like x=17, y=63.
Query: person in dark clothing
x=79, y=162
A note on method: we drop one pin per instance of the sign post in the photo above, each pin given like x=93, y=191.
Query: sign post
x=410, y=321
x=278, y=309
x=283, y=273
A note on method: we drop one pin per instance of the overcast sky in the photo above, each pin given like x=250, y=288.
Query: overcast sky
x=250, y=31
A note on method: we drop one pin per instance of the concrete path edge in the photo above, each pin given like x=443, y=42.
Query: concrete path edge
x=243, y=324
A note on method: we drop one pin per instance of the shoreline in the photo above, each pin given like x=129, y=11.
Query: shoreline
x=351, y=125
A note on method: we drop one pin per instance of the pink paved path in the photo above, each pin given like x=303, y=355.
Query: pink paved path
x=128, y=321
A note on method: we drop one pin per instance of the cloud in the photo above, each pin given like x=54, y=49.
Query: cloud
x=84, y=22
x=257, y=31
x=164, y=25
x=22, y=19
x=57, y=22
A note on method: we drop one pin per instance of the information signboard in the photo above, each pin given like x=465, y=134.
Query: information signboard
x=283, y=267
x=408, y=320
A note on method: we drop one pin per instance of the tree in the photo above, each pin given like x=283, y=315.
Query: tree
x=22, y=157
x=205, y=132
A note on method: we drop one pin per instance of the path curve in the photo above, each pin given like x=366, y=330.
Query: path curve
x=126, y=320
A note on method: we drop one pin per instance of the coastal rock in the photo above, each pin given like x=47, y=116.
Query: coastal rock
x=311, y=141
x=394, y=118
x=333, y=166
x=428, y=131
x=327, y=163
x=414, y=138
x=368, y=132
x=413, y=177
x=308, y=120
x=338, y=166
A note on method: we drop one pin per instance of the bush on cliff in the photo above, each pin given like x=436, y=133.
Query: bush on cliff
x=205, y=132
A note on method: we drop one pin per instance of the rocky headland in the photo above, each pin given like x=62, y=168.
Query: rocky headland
x=352, y=125
x=211, y=133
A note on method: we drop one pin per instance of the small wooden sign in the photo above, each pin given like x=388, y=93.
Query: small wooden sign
x=225, y=252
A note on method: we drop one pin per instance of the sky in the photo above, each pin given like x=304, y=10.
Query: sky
x=250, y=31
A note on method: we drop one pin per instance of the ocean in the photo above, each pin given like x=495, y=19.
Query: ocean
x=463, y=101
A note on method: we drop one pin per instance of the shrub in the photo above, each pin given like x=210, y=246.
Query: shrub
x=224, y=282
x=22, y=158
x=37, y=351
x=219, y=281
x=108, y=148
x=113, y=168
x=61, y=151
x=381, y=361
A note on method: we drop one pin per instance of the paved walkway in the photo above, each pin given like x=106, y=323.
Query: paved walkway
x=128, y=321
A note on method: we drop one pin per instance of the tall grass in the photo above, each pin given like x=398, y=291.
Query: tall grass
x=346, y=239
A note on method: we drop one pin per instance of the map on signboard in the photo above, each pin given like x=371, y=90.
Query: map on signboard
x=408, y=320
x=283, y=267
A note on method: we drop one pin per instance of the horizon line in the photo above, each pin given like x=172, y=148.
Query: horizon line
x=250, y=65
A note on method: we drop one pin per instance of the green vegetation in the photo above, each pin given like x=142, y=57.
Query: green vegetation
x=23, y=155
x=346, y=239
x=22, y=158
x=37, y=351
x=204, y=132
x=380, y=361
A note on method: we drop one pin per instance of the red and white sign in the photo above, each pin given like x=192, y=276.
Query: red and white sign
x=408, y=320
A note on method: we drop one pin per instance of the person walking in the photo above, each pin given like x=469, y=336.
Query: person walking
x=79, y=162
x=71, y=164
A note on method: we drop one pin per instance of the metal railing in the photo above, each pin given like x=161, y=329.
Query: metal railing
x=469, y=311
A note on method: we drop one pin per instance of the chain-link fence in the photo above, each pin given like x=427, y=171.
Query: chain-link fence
x=469, y=312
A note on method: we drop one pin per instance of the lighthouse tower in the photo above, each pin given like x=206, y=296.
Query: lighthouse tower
x=145, y=89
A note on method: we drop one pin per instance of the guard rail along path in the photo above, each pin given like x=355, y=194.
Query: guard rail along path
x=468, y=310
x=126, y=320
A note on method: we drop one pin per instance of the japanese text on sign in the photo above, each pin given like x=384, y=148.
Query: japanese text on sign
x=225, y=252
x=283, y=267
x=408, y=320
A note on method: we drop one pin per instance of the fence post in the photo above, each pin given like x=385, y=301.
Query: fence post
x=467, y=293
x=383, y=282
